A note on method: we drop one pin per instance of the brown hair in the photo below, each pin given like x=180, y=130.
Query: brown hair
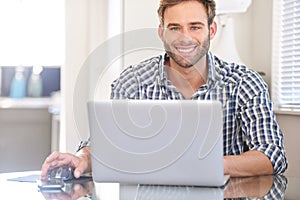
x=210, y=6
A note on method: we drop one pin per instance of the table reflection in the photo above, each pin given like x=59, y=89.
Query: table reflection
x=72, y=190
x=145, y=192
x=260, y=187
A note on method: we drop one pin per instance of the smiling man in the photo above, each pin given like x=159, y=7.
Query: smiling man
x=253, y=141
x=186, y=37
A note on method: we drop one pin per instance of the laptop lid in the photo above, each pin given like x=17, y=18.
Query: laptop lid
x=157, y=142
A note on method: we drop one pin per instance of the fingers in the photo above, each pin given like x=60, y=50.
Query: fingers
x=47, y=164
x=80, y=168
x=57, y=159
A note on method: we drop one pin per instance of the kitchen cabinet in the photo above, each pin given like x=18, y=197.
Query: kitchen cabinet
x=25, y=133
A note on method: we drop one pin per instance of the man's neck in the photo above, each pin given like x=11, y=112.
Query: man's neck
x=187, y=80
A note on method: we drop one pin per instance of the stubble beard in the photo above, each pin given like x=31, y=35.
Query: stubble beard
x=202, y=50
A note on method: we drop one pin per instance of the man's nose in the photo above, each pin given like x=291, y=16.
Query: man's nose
x=185, y=33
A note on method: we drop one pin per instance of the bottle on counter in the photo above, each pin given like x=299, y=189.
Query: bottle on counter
x=35, y=84
x=18, y=84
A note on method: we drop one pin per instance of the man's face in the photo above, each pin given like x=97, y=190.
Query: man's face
x=185, y=33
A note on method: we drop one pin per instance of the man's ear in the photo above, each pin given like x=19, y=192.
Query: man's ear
x=213, y=30
x=160, y=31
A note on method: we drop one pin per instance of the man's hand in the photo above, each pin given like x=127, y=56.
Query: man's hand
x=80, y=162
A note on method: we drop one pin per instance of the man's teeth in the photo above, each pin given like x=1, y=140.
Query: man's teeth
x=185, y=50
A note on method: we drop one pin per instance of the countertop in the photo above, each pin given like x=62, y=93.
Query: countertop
x=9, y=103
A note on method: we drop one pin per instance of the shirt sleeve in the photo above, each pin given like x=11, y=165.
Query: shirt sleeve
x=125, y=86
x=259, y=123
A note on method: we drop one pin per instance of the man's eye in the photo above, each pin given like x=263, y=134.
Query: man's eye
x=195, y=28
x=174, y=29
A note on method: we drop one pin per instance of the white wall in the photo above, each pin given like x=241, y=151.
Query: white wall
x=253, y=36
x=85, y=30
x=289, y=123
x=135, y=18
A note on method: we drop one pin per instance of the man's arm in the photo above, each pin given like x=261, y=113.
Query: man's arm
x=260, y=130
x=250, y=163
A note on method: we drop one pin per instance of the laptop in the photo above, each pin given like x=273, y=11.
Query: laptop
x=178, y=142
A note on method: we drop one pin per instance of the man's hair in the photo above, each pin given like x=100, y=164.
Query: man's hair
x=209, y=5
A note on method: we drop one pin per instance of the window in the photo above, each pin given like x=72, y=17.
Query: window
x=31, y=32
x=286, y=54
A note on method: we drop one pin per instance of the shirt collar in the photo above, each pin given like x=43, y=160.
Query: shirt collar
x=162, y=67
x=212, y=74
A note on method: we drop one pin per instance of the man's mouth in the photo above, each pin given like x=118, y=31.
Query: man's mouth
x=185, y=49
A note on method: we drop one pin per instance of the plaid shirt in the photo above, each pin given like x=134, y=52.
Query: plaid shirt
x=248, y=113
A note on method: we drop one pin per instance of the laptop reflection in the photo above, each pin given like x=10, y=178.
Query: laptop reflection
x=261, y=187
x=165, y=192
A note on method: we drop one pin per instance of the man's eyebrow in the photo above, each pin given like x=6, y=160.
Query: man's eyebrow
x=197, y=23
x=191, y=23
x=173, y=24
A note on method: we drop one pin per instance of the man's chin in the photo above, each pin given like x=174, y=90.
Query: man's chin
x=184, y=64
x=185, y=61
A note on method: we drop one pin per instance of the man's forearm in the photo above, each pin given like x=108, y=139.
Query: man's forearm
x=85, y=155
x=250, y=163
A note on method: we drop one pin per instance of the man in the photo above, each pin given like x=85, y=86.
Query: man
x=253, y=142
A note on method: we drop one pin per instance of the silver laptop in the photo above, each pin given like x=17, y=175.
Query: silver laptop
x=157, y=142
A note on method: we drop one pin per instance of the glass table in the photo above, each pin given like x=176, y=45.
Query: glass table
x=22, y=185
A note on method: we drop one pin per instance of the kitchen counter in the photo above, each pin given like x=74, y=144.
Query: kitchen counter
x=8, y=103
